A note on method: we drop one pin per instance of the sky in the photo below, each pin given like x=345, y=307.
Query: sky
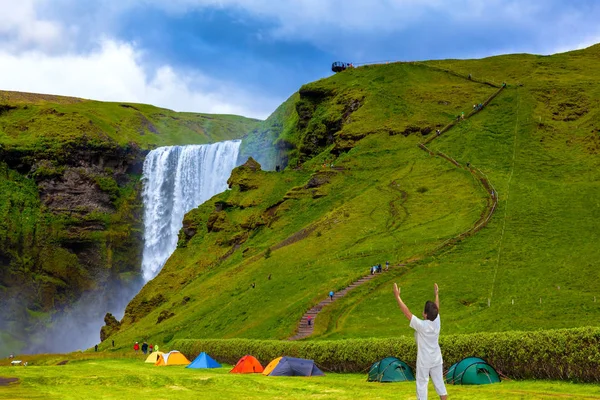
x=247, y=56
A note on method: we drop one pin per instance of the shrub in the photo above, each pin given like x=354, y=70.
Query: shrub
x=572, y=354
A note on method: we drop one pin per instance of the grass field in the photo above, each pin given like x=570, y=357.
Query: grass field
x=131, y=378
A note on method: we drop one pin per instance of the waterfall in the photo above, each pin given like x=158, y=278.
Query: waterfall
x=176, y=180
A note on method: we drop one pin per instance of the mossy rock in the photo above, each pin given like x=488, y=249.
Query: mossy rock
x=245, y=176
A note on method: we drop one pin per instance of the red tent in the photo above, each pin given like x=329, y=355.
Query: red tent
x=247, y=365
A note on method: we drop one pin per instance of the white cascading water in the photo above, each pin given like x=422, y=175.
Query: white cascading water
x=176, y=180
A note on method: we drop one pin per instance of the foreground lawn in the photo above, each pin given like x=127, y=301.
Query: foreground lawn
x=129, y=379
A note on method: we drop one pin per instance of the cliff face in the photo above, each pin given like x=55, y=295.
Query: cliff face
x=68, y=226
x=70, y=205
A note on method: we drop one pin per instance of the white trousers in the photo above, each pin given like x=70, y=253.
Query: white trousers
x=437, y=377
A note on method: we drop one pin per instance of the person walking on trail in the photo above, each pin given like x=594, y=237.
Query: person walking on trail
x=309, y=320
x=429, y=354
x=387, y=265
x=136, y=347
x=145, y=348
x=331, y=295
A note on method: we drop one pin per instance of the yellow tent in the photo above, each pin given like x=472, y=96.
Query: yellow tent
x=271, y=366
x=153, y=357
x=172, y=358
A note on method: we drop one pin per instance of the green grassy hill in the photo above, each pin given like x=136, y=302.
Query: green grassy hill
x=36, y=121
x=70, y=206
x=252, y=260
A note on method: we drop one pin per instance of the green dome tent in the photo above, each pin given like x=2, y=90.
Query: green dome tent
x=390, y=369
x=472, y=371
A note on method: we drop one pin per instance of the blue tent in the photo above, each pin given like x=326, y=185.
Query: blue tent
x=289, y=366
x=204, y=361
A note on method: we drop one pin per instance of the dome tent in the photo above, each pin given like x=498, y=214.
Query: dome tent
x=153, y=357
x=173, y=357
x=289, y=366
x=204, y=361
x=390, y=369
x=247, y=365
x=472, y=371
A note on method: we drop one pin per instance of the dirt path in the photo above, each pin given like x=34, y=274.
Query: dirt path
x=8, y=381
x=304, y=329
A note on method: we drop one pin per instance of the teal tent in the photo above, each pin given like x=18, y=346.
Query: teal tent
x=472, y=371
x=390, y=369
x=204, y=361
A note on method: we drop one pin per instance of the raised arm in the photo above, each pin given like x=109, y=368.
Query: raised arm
x=401, y=304
x=437, y=296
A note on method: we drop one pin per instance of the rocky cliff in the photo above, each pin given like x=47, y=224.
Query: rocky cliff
x=70, y=204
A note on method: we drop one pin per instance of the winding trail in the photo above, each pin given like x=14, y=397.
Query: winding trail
x=304, y=330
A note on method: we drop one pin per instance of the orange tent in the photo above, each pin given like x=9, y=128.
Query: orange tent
x=172, y=358
x=247, y=365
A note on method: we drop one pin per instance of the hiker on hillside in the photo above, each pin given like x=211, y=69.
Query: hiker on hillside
x=136, y=347
x=151, y=348
x=331, y=295
x=462, y=115
x=429, y=354
x=387, y=265
x=145, y=348
x=438, y=132
x=309, y=320
x=96, y=348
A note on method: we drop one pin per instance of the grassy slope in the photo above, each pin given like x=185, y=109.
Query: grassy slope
x=125, y=379
x=394, y=202
x=40, y=121
x=542, y=241
x=389, y=200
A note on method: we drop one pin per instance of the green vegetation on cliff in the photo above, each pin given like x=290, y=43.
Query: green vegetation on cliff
x=41, y=122
x=70, y=206
x=315, y=228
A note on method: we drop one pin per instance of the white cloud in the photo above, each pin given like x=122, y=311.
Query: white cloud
x=113, y=73
x=21, y=27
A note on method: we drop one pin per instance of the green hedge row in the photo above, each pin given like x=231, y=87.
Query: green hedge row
x=571, y=354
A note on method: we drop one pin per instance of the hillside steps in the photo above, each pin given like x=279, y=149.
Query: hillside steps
x=304, y=330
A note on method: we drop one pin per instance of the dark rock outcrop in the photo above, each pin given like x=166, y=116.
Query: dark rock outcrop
x=111, y=326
